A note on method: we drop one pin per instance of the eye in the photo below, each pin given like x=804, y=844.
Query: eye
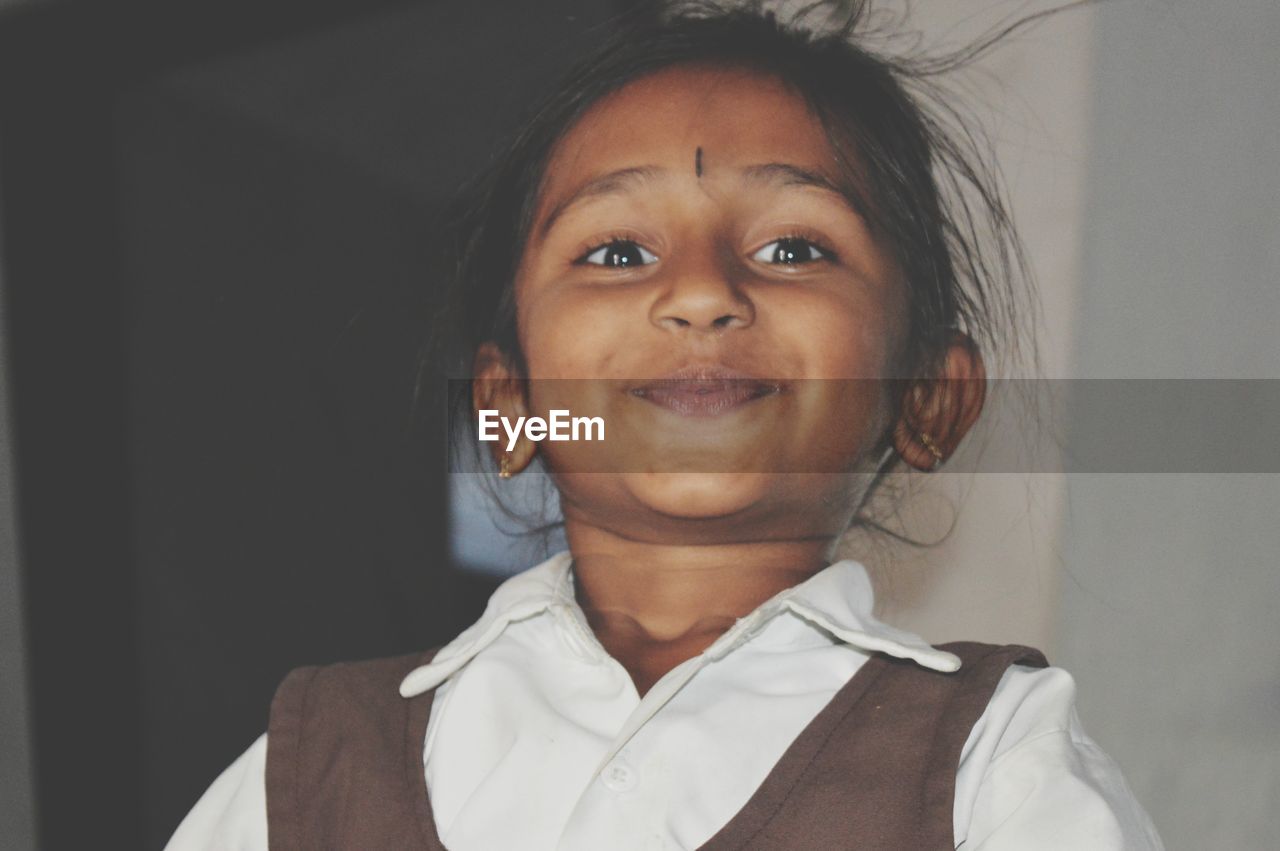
x=618, y=254
x=790, y=251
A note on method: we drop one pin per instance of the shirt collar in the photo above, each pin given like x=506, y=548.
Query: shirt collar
x=837, y=599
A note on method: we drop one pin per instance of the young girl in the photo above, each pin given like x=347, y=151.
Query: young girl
x=746, y=249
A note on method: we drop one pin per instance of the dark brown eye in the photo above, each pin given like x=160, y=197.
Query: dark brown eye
x=618, y=254
x=789, y=251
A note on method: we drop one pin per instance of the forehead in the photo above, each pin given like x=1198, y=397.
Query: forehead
x=736, y=116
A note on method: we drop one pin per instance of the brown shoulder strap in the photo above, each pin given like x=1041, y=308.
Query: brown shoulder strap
x=876, y=768
x=334, y=733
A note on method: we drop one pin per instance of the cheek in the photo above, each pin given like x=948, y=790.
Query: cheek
x=847, y=342
x=857, y=348
x=568, y=335
x=841, y=337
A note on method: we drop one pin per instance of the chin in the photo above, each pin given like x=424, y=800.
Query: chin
x=696, y=496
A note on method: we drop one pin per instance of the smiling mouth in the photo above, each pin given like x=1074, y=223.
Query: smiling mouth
x=705, y=391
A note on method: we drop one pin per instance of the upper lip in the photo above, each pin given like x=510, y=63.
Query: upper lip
x=703, y=372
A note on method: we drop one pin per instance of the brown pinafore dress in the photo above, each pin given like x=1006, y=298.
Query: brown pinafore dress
x=874, y=770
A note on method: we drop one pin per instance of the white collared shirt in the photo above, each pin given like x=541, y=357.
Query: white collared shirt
x=534, y=723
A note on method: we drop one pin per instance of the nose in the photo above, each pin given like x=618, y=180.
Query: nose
x=701, y=295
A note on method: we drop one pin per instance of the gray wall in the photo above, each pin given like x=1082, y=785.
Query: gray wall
x=1170, y=580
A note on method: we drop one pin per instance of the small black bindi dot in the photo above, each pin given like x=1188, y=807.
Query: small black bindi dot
x=697, y=162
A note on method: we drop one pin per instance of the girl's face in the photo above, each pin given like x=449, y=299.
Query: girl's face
x=689, y=227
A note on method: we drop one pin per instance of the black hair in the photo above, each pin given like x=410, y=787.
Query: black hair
x=913, y=165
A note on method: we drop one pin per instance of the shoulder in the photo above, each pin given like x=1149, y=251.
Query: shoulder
x=1027, y=701
x=1029, y=775
x=336, y=741
x=341, y=678
x=232, y=813
x=317, y=703
x=336, y=697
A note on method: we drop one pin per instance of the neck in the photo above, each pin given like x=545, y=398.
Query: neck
x=663, y=593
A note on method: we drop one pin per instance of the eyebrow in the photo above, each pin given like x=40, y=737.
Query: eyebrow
x=627, y=179
x=787, y=174
x=790, y=175
x=621, y=180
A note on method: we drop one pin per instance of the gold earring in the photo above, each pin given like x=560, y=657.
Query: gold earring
x=933, y=450
x=504, y=466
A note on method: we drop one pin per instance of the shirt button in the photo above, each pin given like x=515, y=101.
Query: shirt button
x=655, y=843
x=620, y=776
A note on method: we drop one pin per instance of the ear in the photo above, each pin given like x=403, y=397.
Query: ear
x=497, y=386
x=939, y=411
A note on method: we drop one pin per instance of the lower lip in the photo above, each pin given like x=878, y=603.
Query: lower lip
x=705, y=397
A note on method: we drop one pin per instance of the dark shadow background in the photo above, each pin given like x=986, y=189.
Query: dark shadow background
x=217, y=229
